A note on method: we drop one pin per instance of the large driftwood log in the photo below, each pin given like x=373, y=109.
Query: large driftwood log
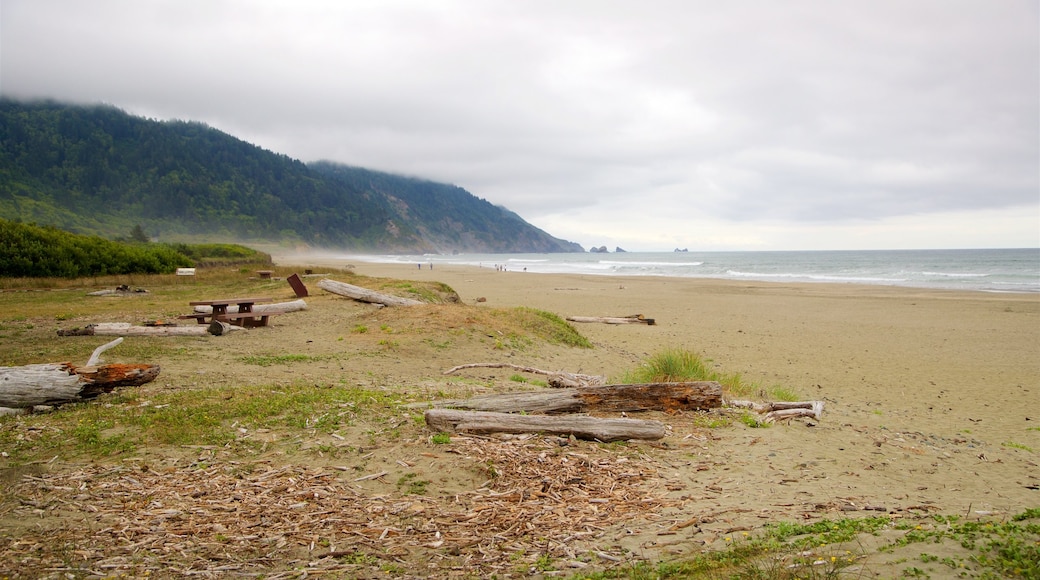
x=581, y=427
x=57, y=383
x=556, y=379
x=291, y=306
x=632, y=319
x=126, y=329
x=697, y=395
x=364, y=294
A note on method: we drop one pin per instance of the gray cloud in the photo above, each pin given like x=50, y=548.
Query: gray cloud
x=693, y=116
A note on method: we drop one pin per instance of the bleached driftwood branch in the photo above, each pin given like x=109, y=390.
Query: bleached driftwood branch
x=782, y=410
x=215, y=328
x=631, y=319
x=557, y=379
x=291, y=306
x=364, y=294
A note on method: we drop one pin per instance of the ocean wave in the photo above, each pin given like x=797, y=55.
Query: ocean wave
x=651, y=264
x=956, y=274
x=816, y=277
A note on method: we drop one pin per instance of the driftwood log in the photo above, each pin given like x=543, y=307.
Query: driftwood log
x=781, y=410
x=581, y=427
x=697, y=395
x=120, y=291
x=632, y=319
x=291, y=306
x=364, y=294
x=216, y=328
x=56, y=383
x=556, y=379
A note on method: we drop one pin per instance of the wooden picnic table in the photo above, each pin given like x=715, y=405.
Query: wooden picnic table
x=242, y=318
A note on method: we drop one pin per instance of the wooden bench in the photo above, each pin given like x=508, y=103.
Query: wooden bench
x=199, y=317
x=220, y=310
x=248, y=319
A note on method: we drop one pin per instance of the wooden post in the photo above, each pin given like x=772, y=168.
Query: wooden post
x=297, y=286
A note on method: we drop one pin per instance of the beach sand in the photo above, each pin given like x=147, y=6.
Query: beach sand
x=913, y=360
x=932, y=397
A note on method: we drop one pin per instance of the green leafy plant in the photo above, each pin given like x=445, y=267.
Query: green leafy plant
x=411, y=484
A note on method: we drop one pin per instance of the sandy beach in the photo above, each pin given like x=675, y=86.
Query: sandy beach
x=931, y=409
x=912, y=360
x=932, y=397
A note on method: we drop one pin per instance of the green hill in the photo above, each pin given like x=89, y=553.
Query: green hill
x=98, y=170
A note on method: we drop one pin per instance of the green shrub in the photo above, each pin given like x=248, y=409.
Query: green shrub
x=35, y=251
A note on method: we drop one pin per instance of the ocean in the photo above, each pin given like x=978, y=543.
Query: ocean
x=990, y=270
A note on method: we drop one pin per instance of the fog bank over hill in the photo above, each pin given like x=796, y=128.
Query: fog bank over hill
x=98, y=170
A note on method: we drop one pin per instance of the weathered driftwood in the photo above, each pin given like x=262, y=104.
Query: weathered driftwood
x=95, y=357
x=605, y=398
x=782, y=410
x=127, y=329
x=364, y=294
x=291, y=306
x=581, y=427
x=632, y=319
x=57, y=383
x=556, y=379
x=119, y=291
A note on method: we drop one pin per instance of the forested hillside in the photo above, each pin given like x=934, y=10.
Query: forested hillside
x=98, y=170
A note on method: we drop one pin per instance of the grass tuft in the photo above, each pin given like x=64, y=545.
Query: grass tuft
x=679, y=365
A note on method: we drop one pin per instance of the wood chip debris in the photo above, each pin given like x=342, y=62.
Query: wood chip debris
x=214, y=519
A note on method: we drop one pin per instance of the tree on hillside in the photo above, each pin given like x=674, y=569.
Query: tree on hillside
x=137, y=235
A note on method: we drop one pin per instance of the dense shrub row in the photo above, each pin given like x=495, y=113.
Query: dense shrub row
x=221, y=254
x=38, y=252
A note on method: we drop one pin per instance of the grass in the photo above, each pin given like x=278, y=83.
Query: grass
x=206, y=416
x=1013, y=445
x=411, y=484
x=836, y=549
x=546, y=325
x=677, y=365
x=280, y=359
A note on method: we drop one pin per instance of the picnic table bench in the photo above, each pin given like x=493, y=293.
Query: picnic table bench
x=244, y=317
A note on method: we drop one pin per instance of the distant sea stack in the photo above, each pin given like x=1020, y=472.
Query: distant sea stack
x=618, y=250
x=682, y=250
x=599, y=250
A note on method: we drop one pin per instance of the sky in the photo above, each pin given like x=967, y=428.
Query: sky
x=649, y=125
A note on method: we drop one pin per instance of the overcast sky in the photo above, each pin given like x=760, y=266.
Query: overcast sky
x=648, y=125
